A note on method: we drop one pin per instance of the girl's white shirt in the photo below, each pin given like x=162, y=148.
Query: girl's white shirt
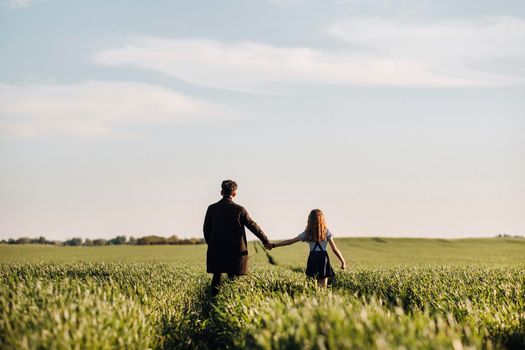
x=323, y=244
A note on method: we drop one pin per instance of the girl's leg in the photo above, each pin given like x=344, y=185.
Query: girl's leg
x=322, y=282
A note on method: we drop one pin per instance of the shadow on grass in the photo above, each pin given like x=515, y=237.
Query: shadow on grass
x=192, y=328
x=512, y=339
x=271, y=259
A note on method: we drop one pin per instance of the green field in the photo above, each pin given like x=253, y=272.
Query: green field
x=397, y=293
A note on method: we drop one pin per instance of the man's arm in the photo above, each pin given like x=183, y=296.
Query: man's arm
x=207, y=226
x=254, y=228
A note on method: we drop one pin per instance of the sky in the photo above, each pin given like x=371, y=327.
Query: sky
x=396, y=118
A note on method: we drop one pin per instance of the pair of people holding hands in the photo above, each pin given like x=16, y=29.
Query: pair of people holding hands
x=224, y=233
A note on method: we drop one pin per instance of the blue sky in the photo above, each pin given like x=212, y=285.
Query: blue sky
x=396, y=118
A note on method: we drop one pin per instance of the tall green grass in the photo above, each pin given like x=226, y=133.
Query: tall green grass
x=160, y=306
x=143, y=298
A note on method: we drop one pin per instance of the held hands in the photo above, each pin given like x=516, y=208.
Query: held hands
x=269, y=245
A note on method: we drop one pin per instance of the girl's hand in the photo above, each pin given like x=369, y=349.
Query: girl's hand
x=343, y=266
x=274, y=245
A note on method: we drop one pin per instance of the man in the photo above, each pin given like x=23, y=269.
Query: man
x=226, y=238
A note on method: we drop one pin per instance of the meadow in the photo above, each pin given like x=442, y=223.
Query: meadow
x=396, y=294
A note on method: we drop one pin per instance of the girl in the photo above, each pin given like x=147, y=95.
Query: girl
x=317, y=236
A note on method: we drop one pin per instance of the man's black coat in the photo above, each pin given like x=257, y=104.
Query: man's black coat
x=226, y=238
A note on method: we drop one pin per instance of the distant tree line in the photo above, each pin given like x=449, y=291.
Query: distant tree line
x=119, y=240
x=508, y=236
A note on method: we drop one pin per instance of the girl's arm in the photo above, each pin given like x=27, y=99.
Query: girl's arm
x=337, y=253
x=286, y=242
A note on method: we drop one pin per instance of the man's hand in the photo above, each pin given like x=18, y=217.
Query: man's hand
x=268, y=245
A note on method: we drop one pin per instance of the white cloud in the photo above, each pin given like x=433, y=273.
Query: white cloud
x=472, y=49
x=398, y=8
x=15, y=4
x=94, y=108
x=382, y=53
x=250, y=66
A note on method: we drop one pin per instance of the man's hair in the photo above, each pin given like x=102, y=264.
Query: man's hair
x=228, y=187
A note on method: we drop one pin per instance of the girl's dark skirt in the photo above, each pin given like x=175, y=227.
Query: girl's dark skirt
x=318, y=265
